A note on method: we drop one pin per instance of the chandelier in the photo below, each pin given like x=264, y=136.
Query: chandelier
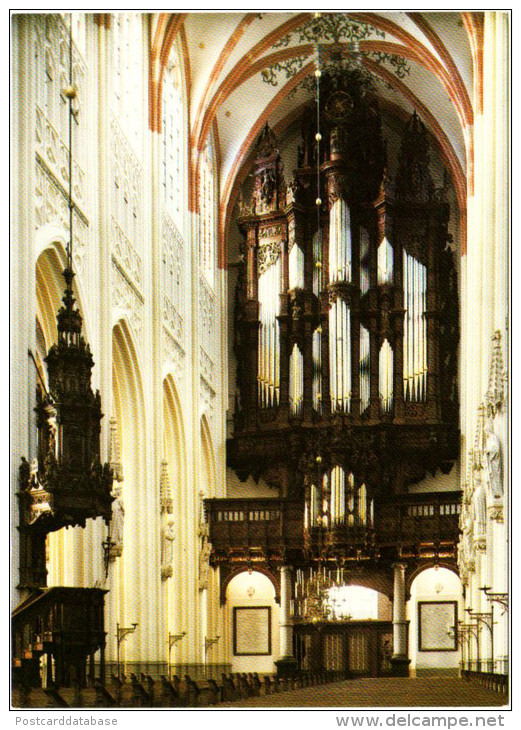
x=314, y=599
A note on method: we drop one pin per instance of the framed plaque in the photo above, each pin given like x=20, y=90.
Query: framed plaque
x=436, y=622
x=252, y=631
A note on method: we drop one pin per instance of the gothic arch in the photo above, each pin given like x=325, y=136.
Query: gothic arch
x=208, y=470
x=128, y=405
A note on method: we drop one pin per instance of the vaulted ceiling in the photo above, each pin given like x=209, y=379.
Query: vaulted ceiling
x=225, y=55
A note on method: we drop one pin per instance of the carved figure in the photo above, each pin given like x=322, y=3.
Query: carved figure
x=167, y=547
x=479, y=509
x=117, y=523
x=493, y=463
x=204, y=563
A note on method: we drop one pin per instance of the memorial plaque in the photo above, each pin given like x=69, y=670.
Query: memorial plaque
x=436, y=622
x=252, y=631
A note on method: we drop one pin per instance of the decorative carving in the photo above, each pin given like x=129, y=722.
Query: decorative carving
x=268, y=254
x=114, y=451
x=173, y=353
x=266, y=143
x=494, y=397
x=51, y=207
x=413, y=178
x=127, y=176
x=495, y=513
x=127, y=297
x=205, y=547
x=165, y=493
x=207, y=319
x=126, y=256
x=336, y=185
x=173, y=254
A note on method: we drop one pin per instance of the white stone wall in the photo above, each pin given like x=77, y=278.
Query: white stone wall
x=150, y=334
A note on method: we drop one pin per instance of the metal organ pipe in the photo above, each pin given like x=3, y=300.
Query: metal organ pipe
x=364, y=261
x=386, y=377
x=317, y=263
x=385, y=262
x=269, y=342
x=415, y=330
x=339, y=242
x=338, y=485
x=365, y=376
x=340, y=356
x=317, y=369
x=296, y=381
x=296, y=267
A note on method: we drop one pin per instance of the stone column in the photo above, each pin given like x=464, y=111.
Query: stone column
x=286, y=665
x=399, y=660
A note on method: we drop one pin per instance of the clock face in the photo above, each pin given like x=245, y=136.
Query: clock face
x=339, y=105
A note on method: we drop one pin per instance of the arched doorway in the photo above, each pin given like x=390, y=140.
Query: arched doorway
x=433, y=610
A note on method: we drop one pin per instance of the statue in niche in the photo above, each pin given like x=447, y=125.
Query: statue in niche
x=204, y=564
x=167, y=548
x=479, y=509
x=493, y=463
x=117, y=524
x=269, y=183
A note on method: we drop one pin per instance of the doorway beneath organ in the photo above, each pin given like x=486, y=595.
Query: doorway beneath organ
x=353, y=634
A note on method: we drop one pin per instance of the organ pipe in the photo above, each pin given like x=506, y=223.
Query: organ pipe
x=338, y=486
x=296, y=268
x=364, y=261
x=339, y=242
x=340, y=356
x=269, y=341
x=317, y=369
x=386, y=377
x=385, y=262
x=296, y=381
x=415, y=329
x=317, y=263
x=365, y=375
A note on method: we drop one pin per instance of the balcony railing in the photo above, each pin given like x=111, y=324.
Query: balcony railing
x=272, y=524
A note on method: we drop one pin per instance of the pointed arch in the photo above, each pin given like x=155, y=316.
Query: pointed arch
x=208, y=466
x=129, y=409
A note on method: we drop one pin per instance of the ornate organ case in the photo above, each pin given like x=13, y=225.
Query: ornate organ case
x=346, y=317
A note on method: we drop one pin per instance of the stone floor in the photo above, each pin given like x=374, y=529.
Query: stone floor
x=383, y=692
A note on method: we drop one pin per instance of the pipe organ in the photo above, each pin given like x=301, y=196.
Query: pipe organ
x=346, y=355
